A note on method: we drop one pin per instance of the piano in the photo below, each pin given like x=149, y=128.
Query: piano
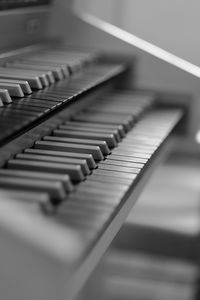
x=87, y=112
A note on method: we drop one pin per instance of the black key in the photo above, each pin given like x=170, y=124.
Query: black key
x=109, y=138
x=54, y=189
x=119, y=128
x=62, y=160
x=64, y=179
x=88, y=157
x=101, y=144
x=83, y=128
x=73, y=171
x=67, y=147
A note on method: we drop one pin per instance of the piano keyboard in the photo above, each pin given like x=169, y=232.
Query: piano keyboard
x=74, y=185
x=90, y=162
x=72, y=165
x=41, y=82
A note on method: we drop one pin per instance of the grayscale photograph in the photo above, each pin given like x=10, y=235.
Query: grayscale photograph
x=99, y=150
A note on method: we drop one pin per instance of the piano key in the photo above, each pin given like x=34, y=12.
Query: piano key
x=114, y=187
x=53, y=188
x=83, y=217
x=119, y=128
x=117, y=104
x=137, y=97
x=127, y=143
x=138, y=148
x=32, y=67
x=25, y=106
x=28, y=107
x=110, y=179
x=110, y=167
x=123, y=163
x=83, y=128
x=97, y=200
x=109, y=138
x=42, y=76
x=60, y=95
x=34, y=81
x=73, y=64
x=49, y=98
x=101, y=144
x=58, y=72
x=63, y=160
x=63, y=69
x=5, y=96
x=99, y=190
x=102, y=118
x=88, y=157
x=9, y=112
x=137, y=145
x=81, y=209
x=131, y=153
x=87, y=149
x=111, y=108
x=37, y=102
x=74, y=171
x=68, y=88
x=17, y=117
x=64, y=179
x=112, y=174
x=91, y=206
x=14, y=90
x=24, y=85
x=146, y=140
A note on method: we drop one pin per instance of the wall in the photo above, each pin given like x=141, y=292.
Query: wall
x=172, y=24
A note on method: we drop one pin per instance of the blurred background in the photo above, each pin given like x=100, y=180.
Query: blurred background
x=156, y=254
x=172, y=25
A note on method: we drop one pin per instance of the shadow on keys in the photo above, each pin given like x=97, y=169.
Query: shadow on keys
x=156, y=254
